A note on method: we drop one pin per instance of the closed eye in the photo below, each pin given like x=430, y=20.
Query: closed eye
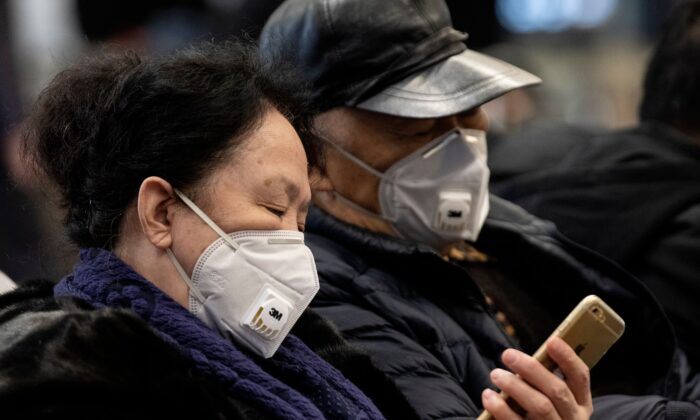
x=276, y=211
x=420, y=128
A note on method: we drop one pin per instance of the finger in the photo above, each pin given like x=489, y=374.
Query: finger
x=497, y=406
x=576, y=373
x=546, y=382
x=535, y=403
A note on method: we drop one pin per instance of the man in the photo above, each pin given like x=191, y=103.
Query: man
x=401, y=236
x=634, y=195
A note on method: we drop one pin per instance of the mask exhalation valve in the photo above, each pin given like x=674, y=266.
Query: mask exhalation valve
x=268, y=315
x=453, y=211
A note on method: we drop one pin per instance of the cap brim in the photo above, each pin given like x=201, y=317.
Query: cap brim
x=461, y=82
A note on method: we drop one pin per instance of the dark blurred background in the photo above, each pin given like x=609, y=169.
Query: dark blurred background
x=590, y=53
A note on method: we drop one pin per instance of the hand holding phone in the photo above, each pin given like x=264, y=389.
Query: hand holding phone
x=590, y=329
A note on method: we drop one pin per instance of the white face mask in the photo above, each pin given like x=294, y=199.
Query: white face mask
x=437, y=195
x=251, y=286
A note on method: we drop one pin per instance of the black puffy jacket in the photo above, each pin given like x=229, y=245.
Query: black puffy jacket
x=425, y=323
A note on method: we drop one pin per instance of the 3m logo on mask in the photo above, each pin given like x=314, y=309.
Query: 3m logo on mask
x=453, y=211
x=268, y=315
x=275, y=314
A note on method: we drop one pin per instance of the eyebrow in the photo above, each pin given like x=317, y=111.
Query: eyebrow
x=290, y=189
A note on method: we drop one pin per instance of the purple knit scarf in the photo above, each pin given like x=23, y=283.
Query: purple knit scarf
x=103, y=280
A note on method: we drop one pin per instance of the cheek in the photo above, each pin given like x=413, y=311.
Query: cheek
x=190, y=240
x=248, y=216
x=353, y=182
x=258, y=219
x=348, y=175
x=477, y=121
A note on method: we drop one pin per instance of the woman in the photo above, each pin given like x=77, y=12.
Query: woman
x=185, y=186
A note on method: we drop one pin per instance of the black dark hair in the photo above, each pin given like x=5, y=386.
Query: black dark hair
x=105, y=124
x=672, y=82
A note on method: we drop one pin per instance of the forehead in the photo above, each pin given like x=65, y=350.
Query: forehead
x=272, y=150
x=353, y=128
x=275, y=143
x=270, y=153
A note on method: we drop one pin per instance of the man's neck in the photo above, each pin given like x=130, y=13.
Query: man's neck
x=329, y=203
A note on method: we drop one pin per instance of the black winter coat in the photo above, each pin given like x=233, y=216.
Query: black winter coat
x=64, y=359
x=425, y=323
x=633, y=196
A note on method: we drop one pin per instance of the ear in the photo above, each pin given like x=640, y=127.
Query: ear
x=155, y=207
x=319, y=181
x=322, y=188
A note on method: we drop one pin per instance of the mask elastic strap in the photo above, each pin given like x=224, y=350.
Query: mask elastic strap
x=356, y=160
x=206, y=219
x=366, y=167
x=183, y=274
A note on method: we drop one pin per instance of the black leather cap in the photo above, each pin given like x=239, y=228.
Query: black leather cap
x=399, y=57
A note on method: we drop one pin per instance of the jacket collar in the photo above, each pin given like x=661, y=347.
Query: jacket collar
x=502, y=215
x=360, y=240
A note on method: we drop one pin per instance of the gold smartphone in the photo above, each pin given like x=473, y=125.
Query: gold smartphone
x=590, y=329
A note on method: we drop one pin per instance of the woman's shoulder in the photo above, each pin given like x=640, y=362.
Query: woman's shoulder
x=31, y=318
x=26, y=311
x=83, y=362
